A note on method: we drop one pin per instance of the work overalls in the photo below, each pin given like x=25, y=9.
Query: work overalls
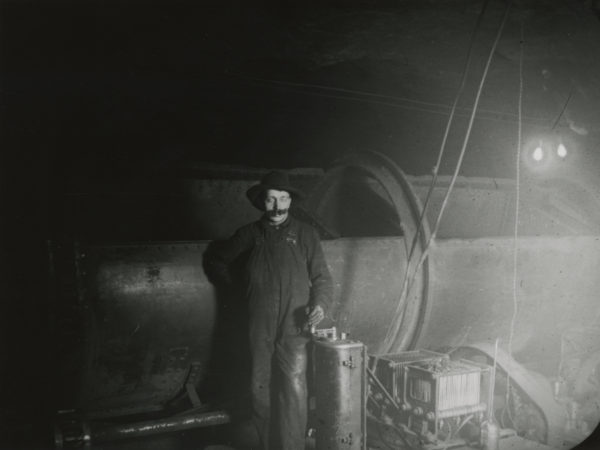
x=285, y=272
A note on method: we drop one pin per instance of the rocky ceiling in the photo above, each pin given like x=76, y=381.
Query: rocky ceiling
x=385, y=77
x=132, y=87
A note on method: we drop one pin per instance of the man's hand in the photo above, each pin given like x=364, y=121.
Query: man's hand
x=315, y=315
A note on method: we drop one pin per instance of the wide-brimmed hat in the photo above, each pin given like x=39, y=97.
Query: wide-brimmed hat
x=273, y=180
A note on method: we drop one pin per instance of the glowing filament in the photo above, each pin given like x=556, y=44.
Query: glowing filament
x=561, y=150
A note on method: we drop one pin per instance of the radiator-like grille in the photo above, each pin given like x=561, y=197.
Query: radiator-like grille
x=420, y=390
x=458, y=390
x=433, y=382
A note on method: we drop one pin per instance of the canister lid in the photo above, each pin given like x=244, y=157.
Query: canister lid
x=338, y=343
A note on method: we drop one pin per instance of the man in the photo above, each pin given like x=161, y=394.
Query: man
x=288, y=288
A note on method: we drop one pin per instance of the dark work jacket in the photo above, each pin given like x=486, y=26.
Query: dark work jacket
x=285, y=272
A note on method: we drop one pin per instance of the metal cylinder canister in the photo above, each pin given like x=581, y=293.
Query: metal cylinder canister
x=340, y=391
x=490, y=435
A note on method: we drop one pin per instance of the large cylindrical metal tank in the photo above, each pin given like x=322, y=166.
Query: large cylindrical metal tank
x=151, y=311
x=341, y=394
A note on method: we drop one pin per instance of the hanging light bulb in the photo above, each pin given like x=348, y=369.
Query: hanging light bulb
x=538, y=153
x=561, y=150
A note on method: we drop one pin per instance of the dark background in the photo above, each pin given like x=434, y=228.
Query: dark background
x=97, y=94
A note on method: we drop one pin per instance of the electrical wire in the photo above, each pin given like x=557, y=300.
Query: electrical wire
x=390, y=336
x=517, y=204
x=492, y=387
x=337, y=89
x=506, y=409
x=442, y=149
x=399, y=432
x=390, y=100
x=459, y=92
x=515, y=299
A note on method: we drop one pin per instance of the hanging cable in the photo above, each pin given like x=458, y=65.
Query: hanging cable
x=562, y=111
x=517, y=203
x=394, y=328
x=515, y=300
x=436, y=168
x=408, y=104
x=459, y=92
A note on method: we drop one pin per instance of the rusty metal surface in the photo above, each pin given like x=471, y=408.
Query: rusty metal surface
x=150, y=314
x=472, y=293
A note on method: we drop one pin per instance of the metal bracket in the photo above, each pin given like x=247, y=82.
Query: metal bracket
x=190, y=384
x=348, y=440
x=349, y=363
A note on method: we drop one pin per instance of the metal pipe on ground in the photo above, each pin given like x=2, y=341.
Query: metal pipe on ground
x=159, y=426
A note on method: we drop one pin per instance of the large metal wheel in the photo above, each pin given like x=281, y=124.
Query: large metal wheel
x=368, y=195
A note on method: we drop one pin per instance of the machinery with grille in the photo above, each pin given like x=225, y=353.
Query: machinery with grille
x=431, y=396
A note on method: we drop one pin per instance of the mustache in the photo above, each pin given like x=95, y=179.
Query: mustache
x=277, y=212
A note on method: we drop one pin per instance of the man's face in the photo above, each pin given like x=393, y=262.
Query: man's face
x=277, y=204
